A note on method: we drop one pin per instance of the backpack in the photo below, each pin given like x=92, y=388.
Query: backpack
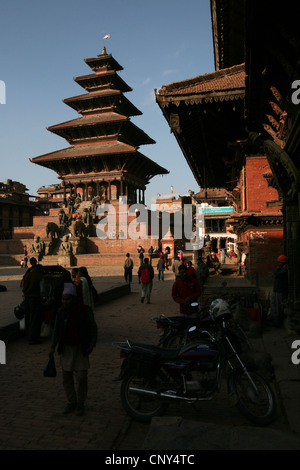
x=128, y=263
x=145, y=275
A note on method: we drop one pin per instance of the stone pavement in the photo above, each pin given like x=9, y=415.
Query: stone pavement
x=30, y=413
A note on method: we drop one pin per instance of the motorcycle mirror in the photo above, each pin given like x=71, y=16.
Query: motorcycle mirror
x=193, y=328
x=194, y=304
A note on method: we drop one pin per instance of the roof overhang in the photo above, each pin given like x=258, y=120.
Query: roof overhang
x=206, y=116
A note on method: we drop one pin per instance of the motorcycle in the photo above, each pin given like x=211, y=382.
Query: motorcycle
x=177, y=331
x=152, y=377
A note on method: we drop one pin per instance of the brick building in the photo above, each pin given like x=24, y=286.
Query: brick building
x=16, y=209
x=258, y=220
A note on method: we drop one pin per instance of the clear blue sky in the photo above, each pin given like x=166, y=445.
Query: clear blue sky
x=43, y=46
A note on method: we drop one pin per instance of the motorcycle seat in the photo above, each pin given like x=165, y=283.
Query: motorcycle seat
x=155, y=351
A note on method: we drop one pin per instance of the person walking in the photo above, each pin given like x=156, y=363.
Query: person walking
x=25, y=257
x=31, y=287
x=166, y=255
x=202, y=272
x=128, y=267
x=190, y=269
x=176, y=265
x=75, y=336
x=141, y=254
x=86, y=287
x=161, y=268
x=146, y=275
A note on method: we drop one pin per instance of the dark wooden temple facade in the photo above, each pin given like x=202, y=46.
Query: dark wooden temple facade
x=103, y=158
x=219, y=129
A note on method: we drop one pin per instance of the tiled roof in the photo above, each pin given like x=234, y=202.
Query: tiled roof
x=211, y=193
x=90, y=119
x=81, y=151
x=231, y=78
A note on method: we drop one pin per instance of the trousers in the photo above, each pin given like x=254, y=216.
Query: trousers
x=128, y=274
x=146, y=291
x=33, y=317
x=75, y=395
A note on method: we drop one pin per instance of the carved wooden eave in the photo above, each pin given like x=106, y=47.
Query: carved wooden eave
x=100, y=80
x=279, y=122
x=104, y=99
x=195, y=110
x=228, y=28
x=243, y=222
x=213, y=97
x=90, y=159
x=103, y=126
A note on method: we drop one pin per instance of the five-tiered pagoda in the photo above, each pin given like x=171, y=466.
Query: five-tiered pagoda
x=103, y=158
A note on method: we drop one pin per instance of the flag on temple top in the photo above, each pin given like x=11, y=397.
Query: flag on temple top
x=107, y=36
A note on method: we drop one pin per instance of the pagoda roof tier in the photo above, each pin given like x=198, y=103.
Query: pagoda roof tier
x=101, y=80
x=103, y=126
x=103, y=61
x=104, y=157
x=102, y=101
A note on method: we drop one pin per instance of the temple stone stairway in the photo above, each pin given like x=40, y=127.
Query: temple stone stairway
x=85, y=259
x=87, y=251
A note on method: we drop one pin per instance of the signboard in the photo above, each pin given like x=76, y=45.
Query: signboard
x=216, y=210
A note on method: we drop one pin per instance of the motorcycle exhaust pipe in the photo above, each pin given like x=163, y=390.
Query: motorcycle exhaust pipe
x=167, y=395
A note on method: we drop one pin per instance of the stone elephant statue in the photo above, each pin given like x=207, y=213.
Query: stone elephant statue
x=78, y=229
x=52, y=229
x=62, y=217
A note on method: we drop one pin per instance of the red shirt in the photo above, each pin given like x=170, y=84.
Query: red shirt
x=191, y=271
x=183, y=289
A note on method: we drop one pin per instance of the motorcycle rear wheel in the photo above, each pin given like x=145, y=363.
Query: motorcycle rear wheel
x=139, y=406
x=259, y=406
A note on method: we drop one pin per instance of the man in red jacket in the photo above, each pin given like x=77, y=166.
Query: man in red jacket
x=186, y=290
x=146, y=275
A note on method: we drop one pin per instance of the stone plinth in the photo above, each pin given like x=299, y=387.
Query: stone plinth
x=65, y=260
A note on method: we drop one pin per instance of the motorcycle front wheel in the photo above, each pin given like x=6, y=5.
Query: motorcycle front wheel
x=255, y=398
x=139, y=404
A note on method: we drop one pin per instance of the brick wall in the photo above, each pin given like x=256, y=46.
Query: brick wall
x=258, y=193
x=264, y=246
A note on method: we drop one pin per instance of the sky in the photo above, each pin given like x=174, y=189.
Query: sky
x=42, y=48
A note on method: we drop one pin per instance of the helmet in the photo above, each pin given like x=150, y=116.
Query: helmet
x=19, y=312
x=282, y=259
x=219, y=307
